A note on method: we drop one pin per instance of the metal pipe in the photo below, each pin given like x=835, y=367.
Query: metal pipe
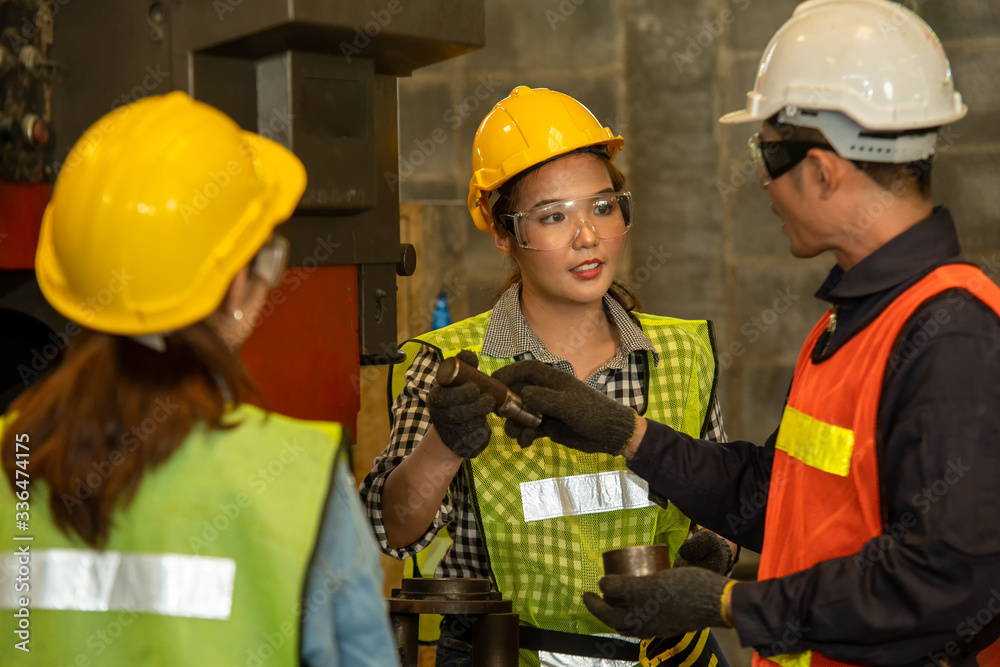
x=453, y=372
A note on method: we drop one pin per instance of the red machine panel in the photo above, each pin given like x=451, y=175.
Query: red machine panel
x=304, y=352
x=21, y=209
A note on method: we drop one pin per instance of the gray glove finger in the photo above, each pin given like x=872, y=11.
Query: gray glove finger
x=459, y=415
x=612, y=617
x=618, y=586
x=442, y=397
x=594, y=424
x=469, y=357
x=707, y=550
x=523, y=435
x=549, y=402
x=568, y=437
x=534, y=372
x=464, y=412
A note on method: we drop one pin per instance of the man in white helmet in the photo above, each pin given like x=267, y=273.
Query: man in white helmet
x=880, y=542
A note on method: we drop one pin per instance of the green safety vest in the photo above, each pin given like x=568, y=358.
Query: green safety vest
x=206, y=566
x=544, y=555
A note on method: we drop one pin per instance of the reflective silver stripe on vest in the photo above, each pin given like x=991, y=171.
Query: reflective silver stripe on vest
x=583, y=494
x=562, y=660
x=89, y=580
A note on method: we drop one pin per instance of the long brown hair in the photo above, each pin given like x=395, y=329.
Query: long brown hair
x=115, y=409
x=509, y=194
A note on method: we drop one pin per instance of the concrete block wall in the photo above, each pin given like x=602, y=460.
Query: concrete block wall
x=661, y=73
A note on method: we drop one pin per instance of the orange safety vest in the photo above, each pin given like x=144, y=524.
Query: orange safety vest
x=823, y=501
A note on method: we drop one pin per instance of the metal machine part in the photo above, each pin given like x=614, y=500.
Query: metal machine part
x=26, y=33
x=637, y=561
x=453, y=371
x=494, y=636
x=319, y=77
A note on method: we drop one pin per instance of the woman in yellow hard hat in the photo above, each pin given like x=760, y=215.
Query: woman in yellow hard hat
x=159, y=519
x=535, y=521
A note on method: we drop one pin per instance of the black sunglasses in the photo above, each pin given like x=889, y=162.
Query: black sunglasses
x=775, y=158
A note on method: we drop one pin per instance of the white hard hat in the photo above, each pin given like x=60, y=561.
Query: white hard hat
x=851, y=66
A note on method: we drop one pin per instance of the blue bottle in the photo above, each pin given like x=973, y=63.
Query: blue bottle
x=442, y=316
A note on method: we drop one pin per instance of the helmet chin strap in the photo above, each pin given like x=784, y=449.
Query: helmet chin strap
x=853, y=142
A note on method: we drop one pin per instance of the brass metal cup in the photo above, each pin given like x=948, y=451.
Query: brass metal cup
x=637, y=561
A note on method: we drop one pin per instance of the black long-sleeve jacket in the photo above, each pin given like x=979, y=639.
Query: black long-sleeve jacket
x=925, y=591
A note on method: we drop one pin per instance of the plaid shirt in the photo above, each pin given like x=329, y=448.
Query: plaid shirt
x=507, y=335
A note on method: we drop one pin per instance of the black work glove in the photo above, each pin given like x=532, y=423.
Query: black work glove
x=573, y=414
x=707, y=550
x=459, y=413
x=662, y=604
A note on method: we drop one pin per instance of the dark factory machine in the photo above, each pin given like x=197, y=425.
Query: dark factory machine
x=319, y=76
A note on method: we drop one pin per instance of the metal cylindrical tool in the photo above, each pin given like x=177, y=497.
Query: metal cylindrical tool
x=453, y=372
x=637, y=561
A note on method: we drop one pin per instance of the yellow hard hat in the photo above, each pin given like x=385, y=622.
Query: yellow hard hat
x=525, y=129
x=157, y=207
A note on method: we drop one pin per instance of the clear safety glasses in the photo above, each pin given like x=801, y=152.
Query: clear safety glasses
x=557, y=225
x=270, y=261
x=776, y=158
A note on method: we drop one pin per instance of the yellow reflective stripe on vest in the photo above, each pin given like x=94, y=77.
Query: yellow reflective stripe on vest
x=803, y=659
x=90, y=580
x=547, y=659
x=816, y=443
x=583, y=494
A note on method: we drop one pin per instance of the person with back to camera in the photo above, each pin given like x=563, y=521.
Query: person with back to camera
x=545, y=186
x=879, y=541
x=162, y=530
